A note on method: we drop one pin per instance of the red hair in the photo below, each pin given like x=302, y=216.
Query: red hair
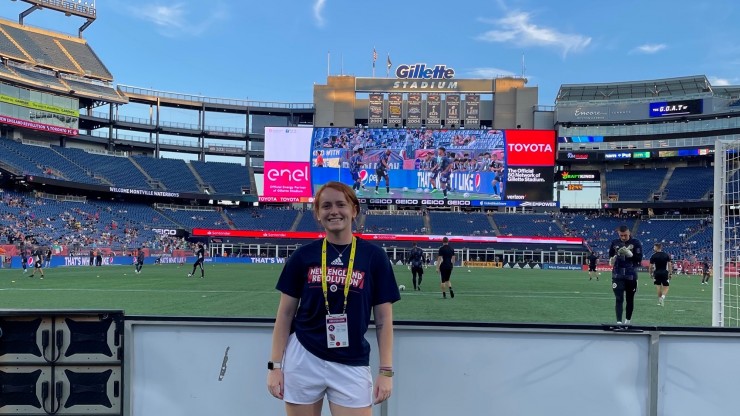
x=348, y=192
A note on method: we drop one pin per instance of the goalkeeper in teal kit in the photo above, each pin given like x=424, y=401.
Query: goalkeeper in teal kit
x=625, y=255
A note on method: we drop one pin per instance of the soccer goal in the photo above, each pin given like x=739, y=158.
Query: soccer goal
x=726, y=235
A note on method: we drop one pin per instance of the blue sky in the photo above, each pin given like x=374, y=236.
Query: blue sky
x=276, y=50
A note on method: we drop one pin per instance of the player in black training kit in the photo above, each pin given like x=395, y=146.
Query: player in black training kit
x=382, y=172
x=200, y=257
x=705, y=271
x=445, y=261
x=416, y=262
x=139, y=260
x=660, y=270
x=37, y=257
x=592, y=259
x=625, y=254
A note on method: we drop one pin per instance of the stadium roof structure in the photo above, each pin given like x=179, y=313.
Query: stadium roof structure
x=53, y=61
x=632, y=90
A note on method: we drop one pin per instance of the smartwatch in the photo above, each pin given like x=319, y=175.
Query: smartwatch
x=274, y=365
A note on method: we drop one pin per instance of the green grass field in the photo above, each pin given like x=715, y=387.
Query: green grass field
x=482, y=295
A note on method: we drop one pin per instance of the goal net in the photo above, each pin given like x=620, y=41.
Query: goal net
x=726, y=235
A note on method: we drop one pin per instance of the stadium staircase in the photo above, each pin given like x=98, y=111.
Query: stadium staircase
x=661, y=189
x=361, y=221
x=228, y=220
x=153, y=183
x=635, y=227
x=69, y=56
x=560, y=225
x=297, y=221
x=17, y=45
x=205, y=188
x=494, y=227
x=162, y=212
x=428, y=223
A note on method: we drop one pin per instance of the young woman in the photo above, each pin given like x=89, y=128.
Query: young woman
x=328, y=290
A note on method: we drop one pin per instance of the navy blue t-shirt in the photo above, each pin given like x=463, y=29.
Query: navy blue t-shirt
x=383, y=158
x=355, y=162
x=416, y=257
x=373, y=284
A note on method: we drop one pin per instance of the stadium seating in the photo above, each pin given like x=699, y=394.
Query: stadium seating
x=227, y=178
x=87, y=59
x=194, y=219
x=8, y=48
x=95, y=90
x=308, y=223
x=459, y=223
x=70, y=170
x=596, y=231
x=535, y=225
x=689, y=183
x=15, y=155
x=40, y=77
x=393, y=224
x=263, y=219
x=117, y=170
x=173, y=173
x=634, y=185
x=40, y=47
x=672, y=233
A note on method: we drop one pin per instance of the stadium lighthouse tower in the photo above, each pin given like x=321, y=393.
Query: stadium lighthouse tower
x=85, y=10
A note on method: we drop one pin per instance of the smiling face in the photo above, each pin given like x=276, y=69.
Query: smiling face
x=335, y=208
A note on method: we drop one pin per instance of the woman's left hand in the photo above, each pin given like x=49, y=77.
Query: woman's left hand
x=383, y=388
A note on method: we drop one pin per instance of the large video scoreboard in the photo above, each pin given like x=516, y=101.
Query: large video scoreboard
x=482, y=167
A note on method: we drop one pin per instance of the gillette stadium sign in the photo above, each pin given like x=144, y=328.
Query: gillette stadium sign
x=420, y=77
x=421, y=71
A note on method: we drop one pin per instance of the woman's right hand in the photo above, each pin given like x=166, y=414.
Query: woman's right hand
x=275, y=383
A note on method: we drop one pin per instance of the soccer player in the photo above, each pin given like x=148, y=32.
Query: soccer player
x=445, y=262
x=319, y=159
x=329, y=288
x=416, y=261
x=200, y=258
x=139, y=260
x=592, y=259
x=382, y=172
x=660, y=270
x=625, y=254
x=37, y=257
x=24, y=259
x=443, y=167
x=497, y=167
x=705, y=271
x=355, y=164
x=48, y=257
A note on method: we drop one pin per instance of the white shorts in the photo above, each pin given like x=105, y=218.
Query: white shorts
x=308, y=378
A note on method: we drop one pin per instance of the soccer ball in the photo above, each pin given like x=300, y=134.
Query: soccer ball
x=426, y=190
x=405, y=188
x=401, y=287
x=470, y=271
x=466, y=195
x=418, y=190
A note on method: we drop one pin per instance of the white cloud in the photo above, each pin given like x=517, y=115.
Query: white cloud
x=517, y=28
x=721, y=82
x=650, y=48
x=318, y=9
x=172, y=20
x=489, y=72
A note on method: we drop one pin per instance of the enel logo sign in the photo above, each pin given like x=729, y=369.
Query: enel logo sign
x=287, y=179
